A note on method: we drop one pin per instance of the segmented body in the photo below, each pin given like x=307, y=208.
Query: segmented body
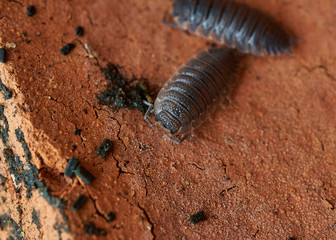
x=233, y=24
x=194, y=91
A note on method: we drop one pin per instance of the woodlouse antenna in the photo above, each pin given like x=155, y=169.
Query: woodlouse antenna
x=167, y=22
x=149, y=111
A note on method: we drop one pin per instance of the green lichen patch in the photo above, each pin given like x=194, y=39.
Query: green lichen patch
x=36, y=219
x=6, y=221
x=5, y=91
x=3, y=125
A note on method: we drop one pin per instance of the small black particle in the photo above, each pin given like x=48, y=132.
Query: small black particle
x=79, y=31
x=67, y=48
x=111, y=216
x=85, y=111
x=124, y=92
x=2, y=55
x=78, y=203
x=143, y=148
x=105, y=148
x=31, y=10
x=197, y=217
x=291, y=238
x=84, y=174
x=77, y=131
x=90, y=228
x=71, y=166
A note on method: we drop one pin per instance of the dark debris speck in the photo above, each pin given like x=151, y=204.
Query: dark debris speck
x=90, y=228
x=123, y=92
x=31, y=10
x=105, y=148
x=77, y=131
x=79, y=31
x=79, y=203
x=67, y=48
x=197, y=217
x=111, y=216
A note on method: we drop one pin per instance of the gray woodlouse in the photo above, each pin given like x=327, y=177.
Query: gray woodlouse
x=231, y=23
x=193, y=92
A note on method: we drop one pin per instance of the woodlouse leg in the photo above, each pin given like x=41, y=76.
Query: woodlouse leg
x=228, y=99
x=176, y=140
x=165, y=21
x=149, y=111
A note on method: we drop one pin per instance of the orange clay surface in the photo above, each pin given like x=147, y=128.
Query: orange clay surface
x=264, y=167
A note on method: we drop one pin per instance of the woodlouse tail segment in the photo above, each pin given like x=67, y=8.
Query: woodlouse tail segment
x=292, y=42
x=149, y=111
x=289, y=51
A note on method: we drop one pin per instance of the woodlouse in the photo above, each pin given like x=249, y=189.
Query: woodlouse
x=231, y=23
x=193, y=92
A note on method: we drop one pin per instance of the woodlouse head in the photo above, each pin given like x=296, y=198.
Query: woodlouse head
x=168, y=122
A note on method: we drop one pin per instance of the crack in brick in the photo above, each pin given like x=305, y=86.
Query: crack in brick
x=227, y=190
x=14, y=1
x=121, y=171
x=195, y=165
x=119, y=130
x=256, y=233
x=95, y=206
x=148, y=220
x=311, y=69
